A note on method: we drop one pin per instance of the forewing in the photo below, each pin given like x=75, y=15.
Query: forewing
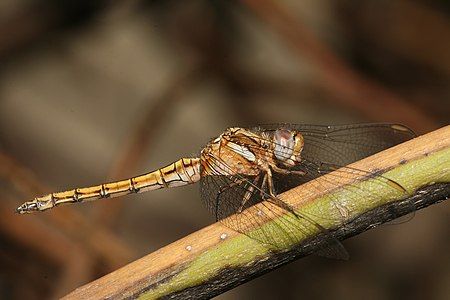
x=330, y=148
x=342, y=145
x=345, y=144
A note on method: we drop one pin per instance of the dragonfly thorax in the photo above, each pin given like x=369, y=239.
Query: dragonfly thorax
x=233, y=152
x=242, y=151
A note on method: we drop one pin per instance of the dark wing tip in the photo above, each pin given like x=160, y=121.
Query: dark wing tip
x=403, y=129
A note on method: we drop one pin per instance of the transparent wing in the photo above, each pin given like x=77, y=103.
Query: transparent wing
x=327, y=150
x=344, y=144
x=272, y=222
x=331, y=148
x=359, y=184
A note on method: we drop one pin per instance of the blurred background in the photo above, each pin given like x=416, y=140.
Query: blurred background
x=92, y=91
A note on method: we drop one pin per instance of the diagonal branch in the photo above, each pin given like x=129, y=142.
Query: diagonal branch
x=216, y=259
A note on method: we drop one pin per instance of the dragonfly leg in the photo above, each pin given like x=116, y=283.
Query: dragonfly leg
x=263, y=186
x=225, y=188
x=221, y=190
x=289, y=172
x=248, y=194
x=270, y=183
x=273, y=196
x=231, y=185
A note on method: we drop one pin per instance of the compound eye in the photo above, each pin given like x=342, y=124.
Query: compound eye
x=283, y=135
x=284, y=144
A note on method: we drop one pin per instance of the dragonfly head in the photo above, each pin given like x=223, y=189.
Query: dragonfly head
x=288, y=146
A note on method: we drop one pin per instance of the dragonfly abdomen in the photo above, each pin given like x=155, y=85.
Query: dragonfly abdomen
x=182, y=172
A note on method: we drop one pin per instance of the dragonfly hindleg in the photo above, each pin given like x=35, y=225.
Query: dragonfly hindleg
x=248, y=194
x=288, y=172
x=263, y=186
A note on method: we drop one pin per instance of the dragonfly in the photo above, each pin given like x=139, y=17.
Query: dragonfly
x=244, y=168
